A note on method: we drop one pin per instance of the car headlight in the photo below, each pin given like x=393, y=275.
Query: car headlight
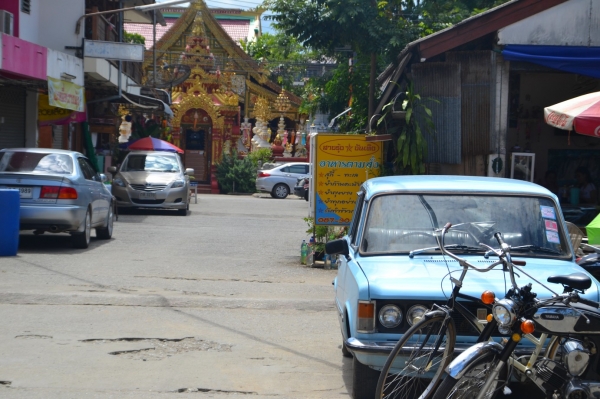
x=119, y=182
x=178, y=183
x=390, y=316
x=505, y=312
x=415, y=313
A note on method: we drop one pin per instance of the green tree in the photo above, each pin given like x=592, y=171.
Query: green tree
x=133, y=38
x=376, y=30
x=284, y=57
x=236, y=175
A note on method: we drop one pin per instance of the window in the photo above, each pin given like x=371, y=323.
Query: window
x=26, y=6
x=86, y=169
x=301, y=169
x=35, y=162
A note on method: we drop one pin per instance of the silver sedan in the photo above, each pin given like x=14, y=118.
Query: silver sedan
x=152, y=179
x=60, y=192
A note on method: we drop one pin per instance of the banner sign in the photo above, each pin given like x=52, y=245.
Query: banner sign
x=342, y=164
x=49, y=115
x=65, y=94
x=113, y=50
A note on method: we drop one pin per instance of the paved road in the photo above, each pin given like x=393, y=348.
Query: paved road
x=213, y=305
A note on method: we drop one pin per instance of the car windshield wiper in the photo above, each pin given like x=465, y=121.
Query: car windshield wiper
x=535, y=248
x=449, y=246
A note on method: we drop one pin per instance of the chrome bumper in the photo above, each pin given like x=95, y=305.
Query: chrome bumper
x=61, y=218
x=128, y=198
x=384, y=348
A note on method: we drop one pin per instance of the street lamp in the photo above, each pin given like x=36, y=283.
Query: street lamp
x=147, y=7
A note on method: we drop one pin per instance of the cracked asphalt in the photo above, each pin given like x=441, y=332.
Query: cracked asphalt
x=212, y=305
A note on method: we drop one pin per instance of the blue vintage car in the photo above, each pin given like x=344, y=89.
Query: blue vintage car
x=381, y=288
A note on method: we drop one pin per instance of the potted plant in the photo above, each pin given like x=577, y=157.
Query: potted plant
x=322, y=235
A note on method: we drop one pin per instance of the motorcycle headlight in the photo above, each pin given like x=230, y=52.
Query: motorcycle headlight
x=119, y=182
x=178, y=184
x=415, y=313
x=505, y=312
x=390, y=316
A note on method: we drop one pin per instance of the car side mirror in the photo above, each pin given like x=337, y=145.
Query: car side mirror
x=337, y=247
x=112, y=169
x=103, y=177
x=189, y=172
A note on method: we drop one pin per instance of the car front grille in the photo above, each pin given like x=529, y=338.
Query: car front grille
x=463, y=327
x=144, y=187
x=146, y=202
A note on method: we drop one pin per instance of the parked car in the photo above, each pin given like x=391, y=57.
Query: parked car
x=381, y=288
x=152, y=179
x=280, y=180
x=301, y=189
x=60, y=193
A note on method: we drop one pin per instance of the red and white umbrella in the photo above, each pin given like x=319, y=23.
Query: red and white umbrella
x=581, y=114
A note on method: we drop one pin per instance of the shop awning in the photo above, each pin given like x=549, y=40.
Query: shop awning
x=581, y=60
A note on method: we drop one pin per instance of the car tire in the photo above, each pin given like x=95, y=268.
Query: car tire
x=81, y=240
x=280, y=191
x=345, y=351
x=273, y=194
x=364, y=381
x=105, y=233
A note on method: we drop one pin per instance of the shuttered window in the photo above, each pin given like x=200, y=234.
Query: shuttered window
x=12, y=117
x=26, y=6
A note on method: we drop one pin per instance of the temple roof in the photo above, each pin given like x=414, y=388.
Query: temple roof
x=244, y=63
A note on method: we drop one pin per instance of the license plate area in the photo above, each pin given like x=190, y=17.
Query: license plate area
x=24, y=192
x=147, y=196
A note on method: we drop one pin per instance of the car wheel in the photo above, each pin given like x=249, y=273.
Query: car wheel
x=364, y=381
x=345, y=351
x=280, y=191
x=82, y=239
x=273, y=194
x=105, y=233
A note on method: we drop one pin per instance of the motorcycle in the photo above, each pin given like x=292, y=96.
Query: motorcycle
x=591, y=261
x=569, y=366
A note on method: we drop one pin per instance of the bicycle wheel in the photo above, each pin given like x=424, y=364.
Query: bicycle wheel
x=414, y=367
x=471, y=383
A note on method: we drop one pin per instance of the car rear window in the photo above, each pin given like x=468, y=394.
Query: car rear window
x=35, y=162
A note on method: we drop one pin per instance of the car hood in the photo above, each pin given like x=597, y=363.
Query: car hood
x=150, y=177
x=421, y=277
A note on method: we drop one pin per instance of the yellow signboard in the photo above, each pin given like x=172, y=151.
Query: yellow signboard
x=65, y=94
x=341, y=164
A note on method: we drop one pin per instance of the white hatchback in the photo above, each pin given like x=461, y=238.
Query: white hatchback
x=280, y=180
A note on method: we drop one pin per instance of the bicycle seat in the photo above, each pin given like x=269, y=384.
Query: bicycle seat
x=578, y=281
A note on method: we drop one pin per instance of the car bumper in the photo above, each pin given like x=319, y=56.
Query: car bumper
x=175, y=198
x=375, y=353
x=299, y=191
x=53, y=218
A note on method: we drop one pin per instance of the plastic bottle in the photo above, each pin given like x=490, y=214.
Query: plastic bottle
x=303, y=252
x=310, y=258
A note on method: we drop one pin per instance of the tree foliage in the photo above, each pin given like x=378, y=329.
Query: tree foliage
x=284, y=57
x=236, y=175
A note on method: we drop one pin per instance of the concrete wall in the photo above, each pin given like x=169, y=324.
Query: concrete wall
x=57, y=23
x=31, y=112
x=573, y=23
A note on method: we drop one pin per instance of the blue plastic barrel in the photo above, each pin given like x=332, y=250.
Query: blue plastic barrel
x=9, y=221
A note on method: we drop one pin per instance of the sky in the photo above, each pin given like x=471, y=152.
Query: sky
x=241, y=4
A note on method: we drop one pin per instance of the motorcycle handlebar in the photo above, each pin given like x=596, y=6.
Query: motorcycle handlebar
x=588, y=302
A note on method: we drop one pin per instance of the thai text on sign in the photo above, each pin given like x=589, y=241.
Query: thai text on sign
x=65, y=95
x=342, y=164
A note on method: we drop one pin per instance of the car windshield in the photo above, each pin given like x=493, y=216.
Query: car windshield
x=405, y=222
x=35, y=162
x=150, y=163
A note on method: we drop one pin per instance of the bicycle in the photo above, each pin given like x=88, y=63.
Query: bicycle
x=415, y=366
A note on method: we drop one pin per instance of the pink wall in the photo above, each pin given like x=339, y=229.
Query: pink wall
x=12, y=6
x=24, y=58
